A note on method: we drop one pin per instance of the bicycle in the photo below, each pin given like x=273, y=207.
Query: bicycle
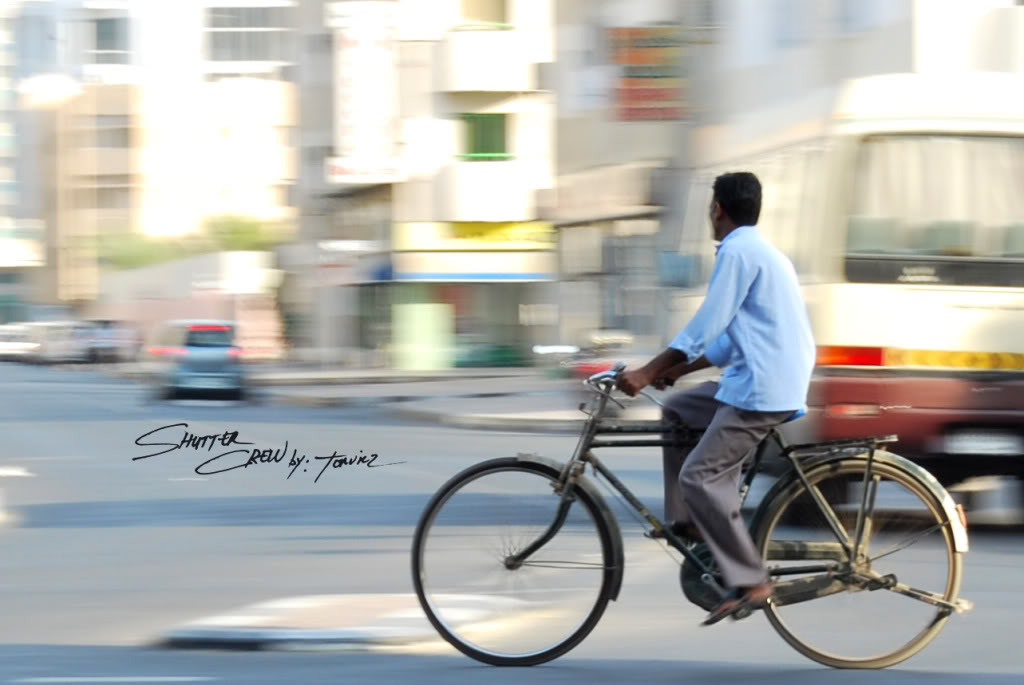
x=815, y=528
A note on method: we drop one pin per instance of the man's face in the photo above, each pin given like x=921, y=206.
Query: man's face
x=715, y=215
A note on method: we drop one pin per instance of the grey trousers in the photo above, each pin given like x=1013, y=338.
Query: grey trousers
x=702, y=483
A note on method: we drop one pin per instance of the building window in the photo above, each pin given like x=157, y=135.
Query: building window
x=485, y=14
x=111, y=41
x=248, y=34
x=486, y=136
x=113, y=131
x=113, y=198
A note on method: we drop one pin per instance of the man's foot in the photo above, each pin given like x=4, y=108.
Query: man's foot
x=740, y=603
x=680, y=529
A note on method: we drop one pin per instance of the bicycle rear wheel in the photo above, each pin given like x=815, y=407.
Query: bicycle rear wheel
x=852, y=623
x=521, y=616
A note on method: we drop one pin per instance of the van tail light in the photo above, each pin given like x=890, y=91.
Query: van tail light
x=852, y=411
x=168, y=351
x=851, y=356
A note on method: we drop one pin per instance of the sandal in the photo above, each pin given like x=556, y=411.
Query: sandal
x=739, y=604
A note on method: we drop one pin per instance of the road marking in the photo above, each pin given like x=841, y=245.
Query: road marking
x=15, y=472
x=118, y=679
x=51, y=458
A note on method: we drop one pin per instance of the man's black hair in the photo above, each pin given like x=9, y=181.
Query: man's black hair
x=739, y=194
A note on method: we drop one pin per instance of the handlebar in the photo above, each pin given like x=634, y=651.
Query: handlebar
x=608, y=378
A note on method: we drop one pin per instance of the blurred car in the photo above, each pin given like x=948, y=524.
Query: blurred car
x=101, y=343
x=600, y=352
x=197, y=358
x=15, y=343
x=54, y=342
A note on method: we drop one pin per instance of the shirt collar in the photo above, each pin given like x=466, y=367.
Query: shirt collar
x=732, y=234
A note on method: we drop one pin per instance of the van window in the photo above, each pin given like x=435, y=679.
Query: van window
x=209, y=336
x=940, y=209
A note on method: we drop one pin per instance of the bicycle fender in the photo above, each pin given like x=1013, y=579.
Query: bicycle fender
x=586, y=484
x=922, y=475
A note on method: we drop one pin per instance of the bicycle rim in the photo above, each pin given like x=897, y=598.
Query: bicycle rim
x=908, y=537
x=499, y=616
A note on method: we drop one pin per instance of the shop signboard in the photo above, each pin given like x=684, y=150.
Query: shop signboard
x=650, y=84
x=473, y=236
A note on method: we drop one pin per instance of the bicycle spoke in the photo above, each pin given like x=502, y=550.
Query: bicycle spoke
x=908, y=542
x=566, y=564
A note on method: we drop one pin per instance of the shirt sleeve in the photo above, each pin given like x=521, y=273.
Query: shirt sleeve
x=730, y=283
x=720, y=352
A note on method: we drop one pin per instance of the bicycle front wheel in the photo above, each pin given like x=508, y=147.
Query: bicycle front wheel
x=860, y=615
x=512, y=616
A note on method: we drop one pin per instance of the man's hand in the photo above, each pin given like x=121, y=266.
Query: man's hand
x=632, y=382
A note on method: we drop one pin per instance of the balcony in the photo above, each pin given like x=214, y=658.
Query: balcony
x=485, y=190
x=485, y=58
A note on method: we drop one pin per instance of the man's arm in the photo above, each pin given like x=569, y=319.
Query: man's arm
x=729, y=285
x=680, y=370
x=661, y=371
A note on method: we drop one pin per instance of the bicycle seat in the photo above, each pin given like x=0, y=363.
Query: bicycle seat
x=799, y=413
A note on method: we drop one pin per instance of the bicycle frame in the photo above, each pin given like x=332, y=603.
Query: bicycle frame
x=673, y=434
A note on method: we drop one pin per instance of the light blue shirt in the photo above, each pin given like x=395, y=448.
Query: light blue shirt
x=754, y=325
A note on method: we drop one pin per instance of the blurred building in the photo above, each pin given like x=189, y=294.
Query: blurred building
x=154, y=119
x=623, y=105
x=20, y=240
x=430, y=243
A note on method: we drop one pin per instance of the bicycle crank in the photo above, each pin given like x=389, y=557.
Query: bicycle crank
x=705, y=592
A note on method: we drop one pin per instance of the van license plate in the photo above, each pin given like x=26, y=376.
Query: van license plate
x=984, y=442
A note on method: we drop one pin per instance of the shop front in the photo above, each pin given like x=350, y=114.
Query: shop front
x=608, y=220
x=472, y=294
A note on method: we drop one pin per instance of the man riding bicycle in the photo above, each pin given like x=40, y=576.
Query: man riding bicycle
x=753, y=324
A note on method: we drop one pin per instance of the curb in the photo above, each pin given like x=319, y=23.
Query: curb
x=283, y=379
x=358, y=621
x=262, y=639
x=485, y=422
x=337, y=402
x=366, y=380
x=365, y=402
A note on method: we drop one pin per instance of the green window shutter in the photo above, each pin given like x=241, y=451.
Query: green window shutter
x=486, y=136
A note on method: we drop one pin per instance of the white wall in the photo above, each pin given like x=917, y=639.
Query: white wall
x=245, y=146
x=182, y=116
x=947, y=31
x=536, y=19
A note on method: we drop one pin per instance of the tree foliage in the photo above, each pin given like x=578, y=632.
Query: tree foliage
x=132, y=250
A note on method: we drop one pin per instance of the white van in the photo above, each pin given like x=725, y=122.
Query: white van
x=56, y=342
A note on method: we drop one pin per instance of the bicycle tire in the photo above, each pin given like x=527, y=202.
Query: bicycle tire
x=611, y=550
x=787, y=490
